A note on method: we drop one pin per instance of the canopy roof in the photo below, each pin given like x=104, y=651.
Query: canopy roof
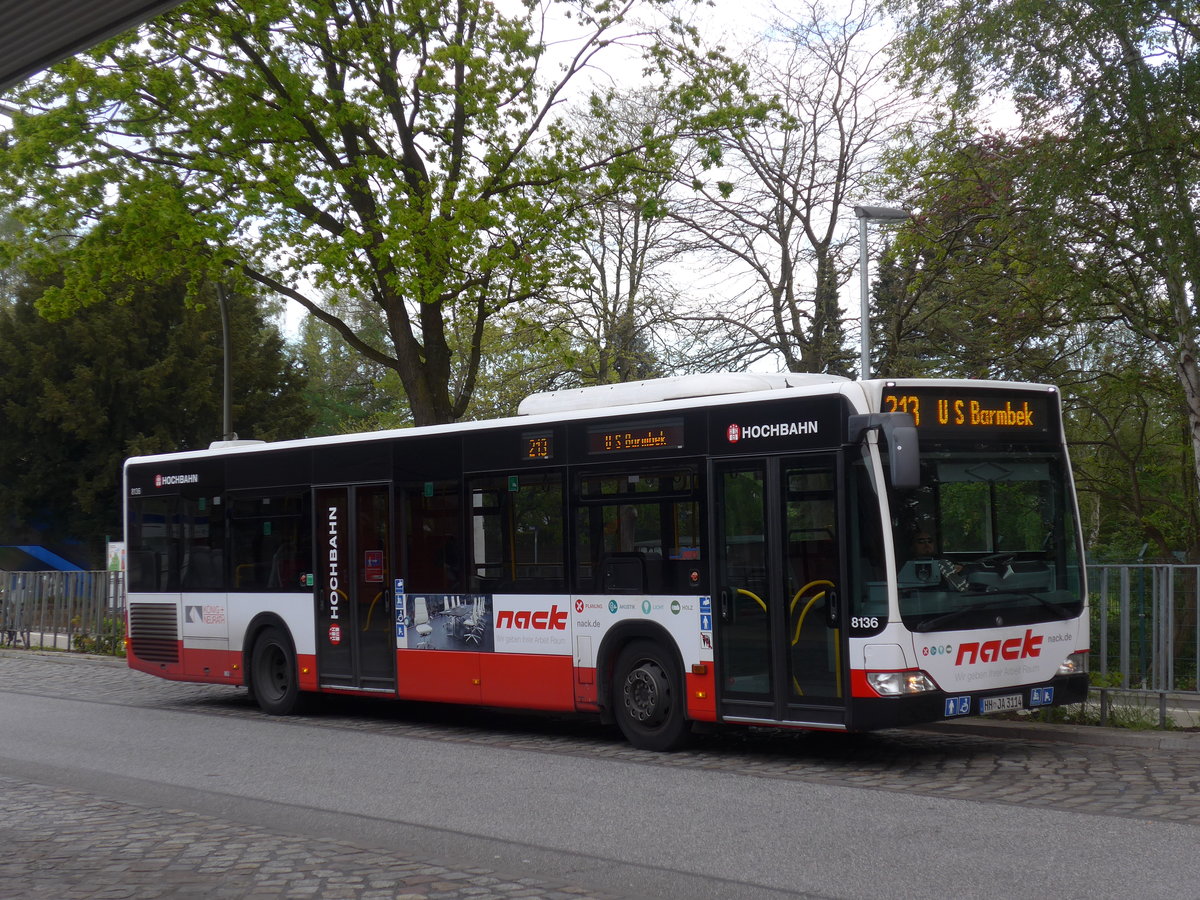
x=35, y=34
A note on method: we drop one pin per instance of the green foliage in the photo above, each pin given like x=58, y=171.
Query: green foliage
x=1109, y=91
x=977, y=286
x=144, y=376
x=405, y=157
x=110, y=641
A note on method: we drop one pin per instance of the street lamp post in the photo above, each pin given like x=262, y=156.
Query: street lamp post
x=226, y=367
x=867, y=214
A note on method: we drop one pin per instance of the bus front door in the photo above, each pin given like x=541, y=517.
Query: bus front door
x=355, y=643
x=779, y=656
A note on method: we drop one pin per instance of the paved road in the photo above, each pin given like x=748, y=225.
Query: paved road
x=71, y=827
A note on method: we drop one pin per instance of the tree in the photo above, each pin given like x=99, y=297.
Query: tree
x=1116, y=85
x=776, y=211
x=976, y=285
x=122, y=379
x=623, y=316
x=1132, y=464
x=408, y=155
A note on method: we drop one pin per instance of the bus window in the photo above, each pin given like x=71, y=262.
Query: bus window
x=202, y=545
x=639, y=533
x=432, y=528
x=271, y=542
x=517, y=533
x=153, y=538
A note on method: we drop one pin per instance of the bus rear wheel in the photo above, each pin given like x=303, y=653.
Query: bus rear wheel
x=273, y=677
x=648, y=698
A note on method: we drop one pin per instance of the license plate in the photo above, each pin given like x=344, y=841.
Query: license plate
x=1007, y=703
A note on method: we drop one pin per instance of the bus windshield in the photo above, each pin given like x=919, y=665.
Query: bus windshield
x=988, y=539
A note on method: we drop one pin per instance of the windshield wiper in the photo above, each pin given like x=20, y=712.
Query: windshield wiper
x=1056, y=608
x=943, y=618
x=999, y=598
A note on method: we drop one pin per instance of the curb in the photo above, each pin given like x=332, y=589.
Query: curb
x=1092, y=735
x=65, y=657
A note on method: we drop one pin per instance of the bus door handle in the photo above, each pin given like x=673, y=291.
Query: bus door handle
x=725, y=598
x=832, y=616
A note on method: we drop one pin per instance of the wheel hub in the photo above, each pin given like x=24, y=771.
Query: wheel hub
x=647, y=694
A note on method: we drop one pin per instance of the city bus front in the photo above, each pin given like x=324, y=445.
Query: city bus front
x=985, y=572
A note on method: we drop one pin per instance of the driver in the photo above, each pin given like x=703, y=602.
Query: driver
x=924, y=546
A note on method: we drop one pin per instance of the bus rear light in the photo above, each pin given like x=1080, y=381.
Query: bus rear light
x=896, y=684
x=1074, y=664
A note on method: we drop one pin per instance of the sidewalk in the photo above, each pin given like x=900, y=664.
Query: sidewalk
x=1094, y=735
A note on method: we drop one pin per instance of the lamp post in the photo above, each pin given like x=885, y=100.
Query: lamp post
x=226, y=368
x=867, y=214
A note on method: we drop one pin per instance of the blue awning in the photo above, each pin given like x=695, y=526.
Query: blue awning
x=31, y=558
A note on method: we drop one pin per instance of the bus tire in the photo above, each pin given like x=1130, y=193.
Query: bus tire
x=274, y=679
x=648, y=699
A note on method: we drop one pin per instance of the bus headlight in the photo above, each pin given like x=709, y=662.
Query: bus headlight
x=1074, y=664
x=896, y=684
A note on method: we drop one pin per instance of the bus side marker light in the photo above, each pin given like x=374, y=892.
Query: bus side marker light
x=896, y=684
x=699, y=669
x=701, y=695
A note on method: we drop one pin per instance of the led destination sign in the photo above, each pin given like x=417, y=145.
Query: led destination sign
x=938, y=409
x=538, y=445
x=642, y=436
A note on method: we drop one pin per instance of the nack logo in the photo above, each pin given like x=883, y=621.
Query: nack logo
x=554, y=620
x=991, y=651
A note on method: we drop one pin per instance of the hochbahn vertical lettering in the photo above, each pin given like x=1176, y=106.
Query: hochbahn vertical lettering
x=332, y=577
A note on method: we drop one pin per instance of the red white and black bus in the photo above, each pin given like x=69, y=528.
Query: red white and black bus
x=793, y=550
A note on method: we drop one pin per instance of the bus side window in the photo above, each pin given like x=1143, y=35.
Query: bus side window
x=433, y=547
x=271, y=542
x=154, y=539
x=638, y=533
x=202, y=556
x=517, y=533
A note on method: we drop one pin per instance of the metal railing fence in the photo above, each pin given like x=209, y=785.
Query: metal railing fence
x=79, y=611
x=1145, y=628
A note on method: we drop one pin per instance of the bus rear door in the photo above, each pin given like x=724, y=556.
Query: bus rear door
x=778, y=568
x=355, y=642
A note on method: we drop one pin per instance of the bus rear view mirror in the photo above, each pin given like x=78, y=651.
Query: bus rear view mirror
x=904, y=449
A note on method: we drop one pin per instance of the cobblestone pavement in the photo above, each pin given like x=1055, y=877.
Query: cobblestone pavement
x=61, y=843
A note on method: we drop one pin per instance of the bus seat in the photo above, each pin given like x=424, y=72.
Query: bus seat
x=623, y=573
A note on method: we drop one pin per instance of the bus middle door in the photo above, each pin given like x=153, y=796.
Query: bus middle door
x=355, y=632
x=776, y=594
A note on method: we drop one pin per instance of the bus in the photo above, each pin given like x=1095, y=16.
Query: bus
x=798, y=551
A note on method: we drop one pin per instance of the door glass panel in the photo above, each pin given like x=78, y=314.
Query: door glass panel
x=373, y=601
x=811, y=575
x=744, y=575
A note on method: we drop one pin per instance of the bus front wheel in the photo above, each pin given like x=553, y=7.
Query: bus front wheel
x=648, y=699
x=273, y=676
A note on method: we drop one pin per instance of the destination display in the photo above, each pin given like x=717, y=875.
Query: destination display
x=665, y=435
x=961, y=412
